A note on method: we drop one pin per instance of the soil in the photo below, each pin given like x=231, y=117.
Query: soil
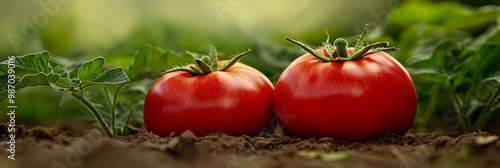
x=63, y=147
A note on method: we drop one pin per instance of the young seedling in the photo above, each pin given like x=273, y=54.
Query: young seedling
x=39, y=72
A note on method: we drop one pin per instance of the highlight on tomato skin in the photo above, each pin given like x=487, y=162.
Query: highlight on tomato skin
x=213, y=96
x=342, y=92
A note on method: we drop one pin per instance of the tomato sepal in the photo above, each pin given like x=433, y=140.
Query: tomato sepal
x=208, y=64
x=338, y=51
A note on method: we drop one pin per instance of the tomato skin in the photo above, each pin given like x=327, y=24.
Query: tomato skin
x=237, y=101
x=349, y=100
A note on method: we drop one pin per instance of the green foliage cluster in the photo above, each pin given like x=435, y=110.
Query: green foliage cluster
x=450, y=48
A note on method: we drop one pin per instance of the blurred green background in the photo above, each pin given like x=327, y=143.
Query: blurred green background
x=115, y=29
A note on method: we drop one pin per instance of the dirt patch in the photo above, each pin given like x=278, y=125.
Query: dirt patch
x=64, y=148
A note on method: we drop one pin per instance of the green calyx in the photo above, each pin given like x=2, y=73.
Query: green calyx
x=205, y=64
x=340, y=45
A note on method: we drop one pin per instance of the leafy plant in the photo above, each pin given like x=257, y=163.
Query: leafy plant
x=414, y=20
x=465, y=70
x=39, y=72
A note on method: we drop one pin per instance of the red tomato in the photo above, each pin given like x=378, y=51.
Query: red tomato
x=349, y=100
x=236, y=101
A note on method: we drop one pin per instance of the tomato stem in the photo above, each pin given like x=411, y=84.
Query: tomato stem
x=204, y=67
x=341, y=47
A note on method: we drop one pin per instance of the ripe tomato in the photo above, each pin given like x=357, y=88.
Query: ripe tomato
x=349, y=99
x=237, y=100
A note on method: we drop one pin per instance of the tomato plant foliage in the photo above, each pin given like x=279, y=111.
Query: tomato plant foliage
x=39, y=72
x=466, y=70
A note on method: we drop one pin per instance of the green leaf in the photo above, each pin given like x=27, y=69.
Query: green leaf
x=4, y=72
x=444, y=53
x=429, y=76
x=481, y=17
x=134, y=93
x=59, y=83
x=3, y=82
x=3, y=69
x=39, y=79
x=111, y=77
x=408, y=40
x=483, y=62
x=91, y=69
x=68, y=68
x=149, y=62
x=34, y=62
x=90, y=73
x=421, y=55
x=494, y=78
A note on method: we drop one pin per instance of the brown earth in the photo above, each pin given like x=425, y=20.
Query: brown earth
x=63, y=148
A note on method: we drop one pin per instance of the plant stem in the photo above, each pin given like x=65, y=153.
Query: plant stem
x=113, y=109
x=486, y=112
x=458, y=105
x=204, y=67
x=129, y=117
x=341, y=47
x=431, y=106
x=79, y=95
